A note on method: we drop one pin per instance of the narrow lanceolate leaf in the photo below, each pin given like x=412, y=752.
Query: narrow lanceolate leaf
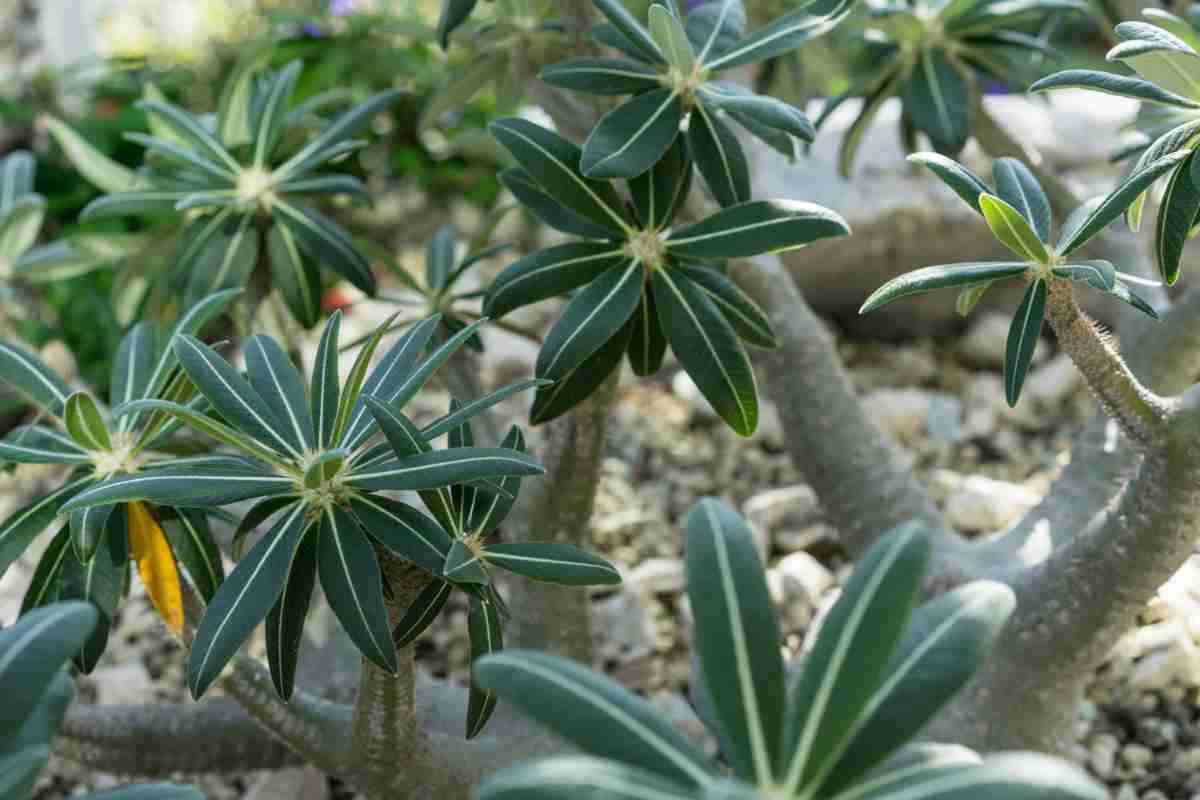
x=947, y=641
x=439, y=468
x=180, y=156
x=631, y=30
x=632, y=137
x=1012, y=229
x=671, y=39
x=296, y=278
x=87, y=528
x=719, y=157
x=579, y=776
x=1111, y=83
x=195, y=487
x=23, y=525
x=554, y=163
x=36, y=444
x=134, y=365
x=421, y=614
x=230, y=394
x=549, y=273
x=19, y=770
x=99, y=170
x=194, y=548
x=647, y=342
x=16, y=177
x=271, y=118
x=538, y=202
x=757, y=227
x=1176, y=217
x=19, y=227
x=347, y=125
x=493, y=506
x=928, y=279
x=454, y=13
x=225, y=260
x=764, y=110
x=469, y=411
x=149, y=791
x=439, y=257
x=1159, y=57
x=1098, y=274
x=156, y=565
x=324, y=468
x=1022, y=339
x=243, y=600
x=44, y=586
x=1018, y=187
x=404, y=439
x=969, y=297
x=233, y=106
x=605, y=719
x=404, y=530
x=31, y=652
x=785, y=34
x=1122, y=292
x=101, y=582
x=325, y=387
x=658, y=191
x=707, y=346
x=32, y=379
x=191, y=130
x=748, y=320
x=965, y=183
x=464, y=565
x=353, y=586
x=190, y=322
x=281, y=385
x=85, y=424
x=849, y=661
x=326, y=241
x=206, y=425
x=1019, y=776
x=553, y=562
x=737, y=636
x=601, y=76
x=592, y=318
x=1117, y=201
x=568, y=391
x=486, y=634
x=937, y=99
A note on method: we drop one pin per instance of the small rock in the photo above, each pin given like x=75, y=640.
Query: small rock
x=903, y=414
x=620, y=624
x=1126, y=792
x=980, y=504
x=1051, y=384
x=789, y=505
x=1104, y=755
x=127, y=683
x=683, y=386
x=1187, y=760
x=819, y=539
x=657, y=576
x=801, y=573
x=985, y=341
x=1137, y=756
x=294, y=783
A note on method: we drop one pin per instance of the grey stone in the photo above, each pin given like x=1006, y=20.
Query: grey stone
x=788, y=505
x=657, y=576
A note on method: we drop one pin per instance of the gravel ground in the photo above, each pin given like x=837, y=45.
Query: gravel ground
x=941, y=401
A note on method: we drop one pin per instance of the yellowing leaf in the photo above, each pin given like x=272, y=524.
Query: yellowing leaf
x=156, y=565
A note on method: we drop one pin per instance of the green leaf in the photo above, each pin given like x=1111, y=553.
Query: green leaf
x=34, y=444
x=487, y=637
x=476, y=407
x=100, y=580
x=969, y=297
x=353, y=586
x=244, y=599
x=133, y=367
x=578, y=776
x=327, y=185
x=928, y=279
x=494, y=506
x=298, y=281
x=42, y=724
x=937, y=99
x=191, y=130
x=272, y=116
x=785, y=34
x=601, y=76
x=281, y=385
x=671, y=39
x=85, y=424
x=947, y=641
x=754, y=228
x=1012, y=230
x=647, y=342
x=1123, y=293
x=1159, y=57
x=346, y=125
x=554, y=162
x=748, y=320
x=1176, y=217
x=25, y=373
x=542, y=206
x=553, y=562
x=549, y=273
x=97, y=168
x=19, y=771
x=439, y=468
x=464, y=566
x=440, y=257
x=207, y=425
x=737, y=637
x=707, y=346
x=324, y=240
x=31, y=652
x=594, y=713
x=324, y=468
x=259, y=513
x=1110, y=83
x=148, y=791
x=719, y=157
x=19, y=227
x=1018, y=187
x=715, y=27
x=592, y=318
x=230, y=394
x=1096, y=273
x=233, y=107
x=324, y=387
x=192, y=543
x=180, y=157
x=17, y=171
x=87, y=528
x=849, y=661
x=577, y=384
x=132, y=202
x=44, y=586
x=77, y=255
x=454, y=13
x=1023, y=339
x=658, y=191
x=421, y=614
x=404, y=530
x=766, y=111
x=190, y=322
x=965, y=183
x=1075, y=235
x=609, y=36
x=634, y=136
x=630, y=29
x=194, y=487
x=226, y=260
x=21, y=527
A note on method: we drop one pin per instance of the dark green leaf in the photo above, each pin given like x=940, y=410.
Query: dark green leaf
x=404, y=530
x=965, y=183
x=1176, y=216
x=195, y=487
x=454, y=13
x=342, y=128
x=273, y=115
x=190, y=130
x=100, y=580
x=764, y=110
x=226, y=259
x=748, y=320
x=928, y=279
x=439, y=468
x=1098, y=274
x=1018, y=187
x=1022, y=339
x=1159, y=56
x=31, y=652
x=632, y=137
x=785, y=34
x=296, y=278
x=19, y=770
x=486, y=634
x=281, y=385
x=324, y=468
x=470, y=410
x=1111, y=83
x=134, y=364
x=658, y=191
x=25, y=524
x=757, y=227
x=44, y=586
x=937, y=99
x=715, y=27
x=194, y=547
x=87, y=528
x=592, y=318
x=35, y=444
x=671, y=39
x=549, y=273
x=464, y=566
x=325, y=241
x=31, y=378
x=552, y=562
x=323, y=390
x=421, y=614
x=579, y=777
x=207, y=425
x=719, y=157
x=538, y=202
x=569, y=390
x=439, y=257
x=601, y=76
x=630, y=29
x=259, y=513
x=647, y=342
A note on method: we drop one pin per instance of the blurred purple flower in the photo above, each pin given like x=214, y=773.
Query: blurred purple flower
x=342, y=8
x=313, y=30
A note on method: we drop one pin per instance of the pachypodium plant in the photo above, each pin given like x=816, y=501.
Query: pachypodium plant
x=642, y=282
x=1018, y=214
x=841, y=728
x=935, y=56
x=671, y=70
x=312, y=455
x=1165, y=55
x=88, y=558
x=246, y=200
x=37, y=692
